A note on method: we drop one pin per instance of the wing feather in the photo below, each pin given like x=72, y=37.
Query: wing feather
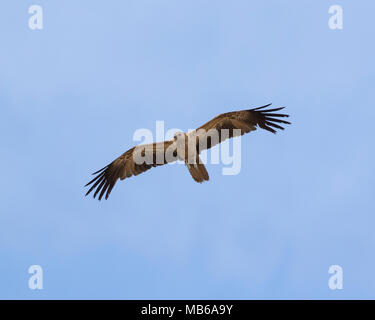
x=245, y=120
x=125, y=166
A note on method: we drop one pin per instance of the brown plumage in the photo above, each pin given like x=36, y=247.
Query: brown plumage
x=246, y=121
x=125, y=165
x=198, y=171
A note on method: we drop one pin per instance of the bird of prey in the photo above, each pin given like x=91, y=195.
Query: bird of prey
x=185, y=147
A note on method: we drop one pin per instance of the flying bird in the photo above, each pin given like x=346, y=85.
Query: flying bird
x=185, y=147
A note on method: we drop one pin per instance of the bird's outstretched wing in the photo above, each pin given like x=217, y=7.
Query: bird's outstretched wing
x=127, y=165
x=244, y=121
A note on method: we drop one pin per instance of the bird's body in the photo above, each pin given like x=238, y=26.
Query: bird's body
x=181, y=146
x=185, y=147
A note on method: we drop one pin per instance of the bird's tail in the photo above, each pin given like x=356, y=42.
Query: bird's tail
x=198, y=171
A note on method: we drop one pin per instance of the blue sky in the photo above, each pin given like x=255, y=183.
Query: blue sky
x=73, y=94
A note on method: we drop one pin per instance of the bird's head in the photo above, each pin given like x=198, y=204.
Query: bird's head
x=178, y=135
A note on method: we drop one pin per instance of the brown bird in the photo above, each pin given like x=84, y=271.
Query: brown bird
x=185, y=147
